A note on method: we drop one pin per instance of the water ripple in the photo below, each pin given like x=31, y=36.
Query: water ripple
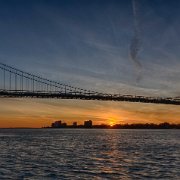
x=89, y=154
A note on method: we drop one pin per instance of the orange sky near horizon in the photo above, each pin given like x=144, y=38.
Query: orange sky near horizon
x=36, y=113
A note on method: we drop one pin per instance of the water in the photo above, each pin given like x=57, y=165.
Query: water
x=89, y=154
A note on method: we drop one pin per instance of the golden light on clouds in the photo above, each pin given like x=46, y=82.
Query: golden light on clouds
x=42, y=112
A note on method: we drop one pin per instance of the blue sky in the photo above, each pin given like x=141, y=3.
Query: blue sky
x=86, y=43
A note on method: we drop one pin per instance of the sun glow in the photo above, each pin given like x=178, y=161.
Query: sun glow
x=112, y=122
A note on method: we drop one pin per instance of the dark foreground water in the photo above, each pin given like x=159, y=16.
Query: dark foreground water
x=89, y=154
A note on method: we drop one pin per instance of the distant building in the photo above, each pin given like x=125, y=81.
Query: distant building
x=56, y=124
x=63, y=125
x=74, y=124
x=88, y=124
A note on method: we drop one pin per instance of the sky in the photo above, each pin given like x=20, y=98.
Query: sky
x=117, y=46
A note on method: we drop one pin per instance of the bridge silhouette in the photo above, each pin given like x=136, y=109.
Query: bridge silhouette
x=16, y=83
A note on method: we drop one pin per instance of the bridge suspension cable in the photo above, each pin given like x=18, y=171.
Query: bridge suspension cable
x=17, y=83
x=24, y=81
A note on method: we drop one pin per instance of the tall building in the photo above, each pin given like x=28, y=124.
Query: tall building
x=56, y=124
x=88, y=124
x=74, y=124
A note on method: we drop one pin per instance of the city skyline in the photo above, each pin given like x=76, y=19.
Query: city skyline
x=40, y=112
x=90, y=124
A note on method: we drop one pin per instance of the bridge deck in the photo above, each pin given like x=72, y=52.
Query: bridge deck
x=15, y=83
x=102, y=97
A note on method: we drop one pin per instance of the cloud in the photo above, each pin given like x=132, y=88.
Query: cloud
x=89, y=48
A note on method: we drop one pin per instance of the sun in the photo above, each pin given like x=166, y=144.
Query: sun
x=111, y=121
x=111, y=124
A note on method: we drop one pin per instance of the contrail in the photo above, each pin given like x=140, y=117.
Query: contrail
x=135, y=45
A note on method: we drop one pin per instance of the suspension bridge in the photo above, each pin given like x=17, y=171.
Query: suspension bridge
x=16, y=83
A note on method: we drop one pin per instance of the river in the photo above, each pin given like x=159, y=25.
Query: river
x=89, y=154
